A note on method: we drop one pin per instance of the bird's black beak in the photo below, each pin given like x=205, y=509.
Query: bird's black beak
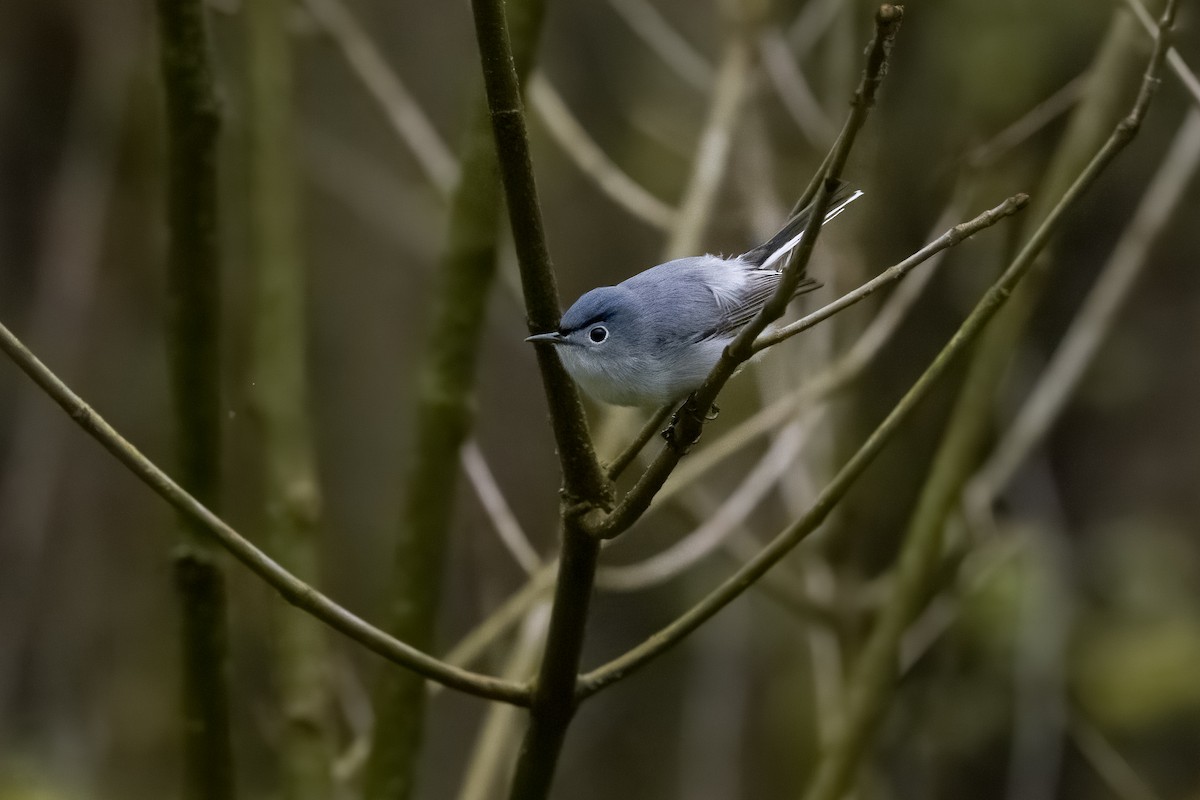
x=554, y=337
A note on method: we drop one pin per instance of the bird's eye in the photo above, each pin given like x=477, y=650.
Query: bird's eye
x=598, y=334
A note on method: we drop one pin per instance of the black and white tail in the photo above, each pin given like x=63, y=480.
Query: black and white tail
x=768, y=254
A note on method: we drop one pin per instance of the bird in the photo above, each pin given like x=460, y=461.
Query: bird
x=652, y=339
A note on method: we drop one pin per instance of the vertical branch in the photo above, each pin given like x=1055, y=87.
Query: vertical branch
x=874, y=673
x=193, y=121
x=585, y=486
x=444, y=417
x=291, y=493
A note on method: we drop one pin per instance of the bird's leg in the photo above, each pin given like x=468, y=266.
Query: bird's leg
x=687, y=423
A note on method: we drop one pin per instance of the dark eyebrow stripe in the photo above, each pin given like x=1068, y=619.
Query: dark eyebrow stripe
x=581, y=326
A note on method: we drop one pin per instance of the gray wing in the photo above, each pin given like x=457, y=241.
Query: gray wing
x=705, y=297
x=740, y=305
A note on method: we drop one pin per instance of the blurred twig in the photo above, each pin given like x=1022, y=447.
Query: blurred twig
x=591, y=159
x=1093, y=322
x=712, y=152
x=1109, y=764
x=501, y=515
x=473, y=645
x=70, y=244
x=793, y=89
x=500, y=733
x=665, y=42
x=874, y=672
x=1175, y=61
x=1049, y=109
x=811, y=24
x=402, y=110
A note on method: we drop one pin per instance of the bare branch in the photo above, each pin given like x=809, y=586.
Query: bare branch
x=894, y=273
x=586, y=488
x=291, y=493
x=285, y=583
x=618, y=465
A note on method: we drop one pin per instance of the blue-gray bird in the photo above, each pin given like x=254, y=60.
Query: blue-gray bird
x=652, y=339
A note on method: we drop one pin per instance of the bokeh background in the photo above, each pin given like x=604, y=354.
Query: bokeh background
x=1063, y=658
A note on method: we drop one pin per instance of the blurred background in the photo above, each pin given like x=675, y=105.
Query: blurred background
x=1059, y=653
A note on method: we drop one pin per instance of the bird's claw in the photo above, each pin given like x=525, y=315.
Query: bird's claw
x=687, y=412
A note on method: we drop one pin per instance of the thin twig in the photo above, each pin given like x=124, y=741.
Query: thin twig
x=1175, y=61
x=756, y=485
x=575, y=141
x=873, y=674
x=508, y=528
x=665, y=42
x=402, y=110
x=894, y=273
x=621, y=462
x=286, y=584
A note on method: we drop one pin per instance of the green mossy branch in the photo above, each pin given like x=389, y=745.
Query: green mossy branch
x=291, y=495
x=193, y=345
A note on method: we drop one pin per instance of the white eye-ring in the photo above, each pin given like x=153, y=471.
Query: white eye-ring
x=598, y=334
